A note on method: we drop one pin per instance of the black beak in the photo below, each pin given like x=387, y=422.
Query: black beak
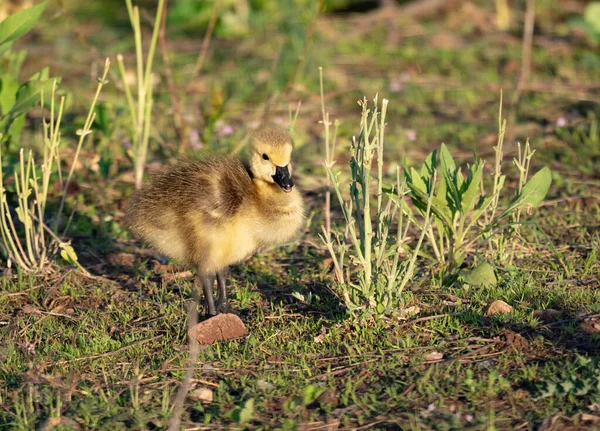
x=283, y=179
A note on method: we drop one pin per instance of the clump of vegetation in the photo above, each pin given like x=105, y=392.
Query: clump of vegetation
x=17, y=99
x=372, y=257
x=590, y=21
x=141, y=109
x=32, y=244
x=465, y=215
x=33, y=250
x=580, y=380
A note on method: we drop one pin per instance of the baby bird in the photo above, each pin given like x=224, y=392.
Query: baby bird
x=214, y=212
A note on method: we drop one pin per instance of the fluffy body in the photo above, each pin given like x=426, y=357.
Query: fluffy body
x=215, y=212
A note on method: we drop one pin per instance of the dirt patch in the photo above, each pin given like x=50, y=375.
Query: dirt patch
x=511, y=339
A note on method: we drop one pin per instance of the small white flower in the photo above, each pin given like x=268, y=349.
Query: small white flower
x=411, y=135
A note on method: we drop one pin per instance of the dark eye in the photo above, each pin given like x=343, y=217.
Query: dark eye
x=265, y=157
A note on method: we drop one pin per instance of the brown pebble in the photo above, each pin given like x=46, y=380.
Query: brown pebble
x=499, y=307
x=218, y=328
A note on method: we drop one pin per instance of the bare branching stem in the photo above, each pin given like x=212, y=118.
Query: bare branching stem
x=142, y=109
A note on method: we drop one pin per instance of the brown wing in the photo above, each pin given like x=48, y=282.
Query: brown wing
x=216, y=186
x=230, y=184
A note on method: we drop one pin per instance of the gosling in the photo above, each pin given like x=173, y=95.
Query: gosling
x=215, y=212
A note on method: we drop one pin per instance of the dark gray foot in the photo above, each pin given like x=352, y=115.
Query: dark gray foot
x=225, y=308
x=207, y=282
x=222, y=301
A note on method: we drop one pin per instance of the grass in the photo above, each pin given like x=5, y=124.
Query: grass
x=113, y=356
x=108, y=352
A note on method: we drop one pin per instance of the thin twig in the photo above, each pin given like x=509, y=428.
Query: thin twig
x=526, y=50
x=180, y=126
x=194, y=349
x=206, y=40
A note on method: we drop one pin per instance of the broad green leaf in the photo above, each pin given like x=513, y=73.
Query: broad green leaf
x=16, y=25
x=482, y=207
x=13, y=62
x=5, y=47
x=9, y=86
x=446, y=160
x=41, y=75
x=242, y=415
x=29, y=95
x=481, y=276
x=441, y=189
x=440, y=202
x=13, y=133
x=592, y=16
x=449, y=175
x=459, y=180
x=534, y=191
x=417, y=182
x=247, y=412
x=471, y=194
x=430, y=165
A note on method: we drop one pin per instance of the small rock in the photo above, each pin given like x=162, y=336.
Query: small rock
x=30, y=309
x=433, y=356
x=405, y=313
x=221, y=327
x=591, y=326
x=202, y=394
x=122, y=259
x=264, y=385
x=319, y=338
x=498, y=307
x=586, y=417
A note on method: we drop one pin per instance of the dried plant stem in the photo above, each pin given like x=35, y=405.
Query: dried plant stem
x=178, y=119
x=142, y=109
x=526, y=49
x=499, y=156
x=87, y=129
x=194, y=349
x=206, y=40
x=375, y=255
x=411, y=266
x=328, y=159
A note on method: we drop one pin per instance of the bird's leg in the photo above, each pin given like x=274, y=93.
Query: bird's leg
x=222, y=302
x=207, y=281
